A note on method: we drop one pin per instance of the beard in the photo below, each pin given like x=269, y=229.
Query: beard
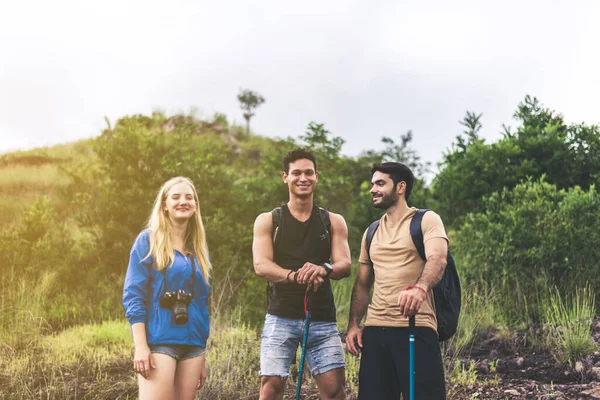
x=387, y=200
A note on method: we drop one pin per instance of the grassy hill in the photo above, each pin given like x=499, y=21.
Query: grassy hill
x=26, y=175
x=70, y=212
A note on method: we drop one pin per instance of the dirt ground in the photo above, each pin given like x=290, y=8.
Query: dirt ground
x=507, y=365
x=514, y=366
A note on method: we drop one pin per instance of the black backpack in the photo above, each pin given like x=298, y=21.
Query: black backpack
x=447, y=293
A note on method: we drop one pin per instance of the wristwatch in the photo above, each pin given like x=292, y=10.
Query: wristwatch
x=328, y=269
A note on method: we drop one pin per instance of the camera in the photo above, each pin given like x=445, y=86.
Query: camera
x=178, y=302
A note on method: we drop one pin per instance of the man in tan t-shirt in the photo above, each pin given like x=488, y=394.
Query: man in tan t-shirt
x=403, y=285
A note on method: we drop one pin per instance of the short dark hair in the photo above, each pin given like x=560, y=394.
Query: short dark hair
x=298, y=154
x=398, y=172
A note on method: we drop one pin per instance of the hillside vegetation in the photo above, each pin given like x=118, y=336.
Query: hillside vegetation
x=522, y=214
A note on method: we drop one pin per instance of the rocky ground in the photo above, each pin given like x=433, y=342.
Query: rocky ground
x=517, y=367
x=506, y=365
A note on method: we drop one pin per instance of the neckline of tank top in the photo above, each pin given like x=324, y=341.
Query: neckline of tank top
x=296, y=219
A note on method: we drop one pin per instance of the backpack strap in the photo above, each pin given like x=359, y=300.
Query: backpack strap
x=277, y=222
x=326, y=222
x=416, y=233
x=370, y=233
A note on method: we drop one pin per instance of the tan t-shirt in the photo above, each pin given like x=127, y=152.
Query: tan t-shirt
x=397, y=264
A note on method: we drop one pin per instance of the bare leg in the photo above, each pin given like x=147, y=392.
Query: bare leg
x=331, y=384
x=159, y=386
x=272, y=387
x=187, y=376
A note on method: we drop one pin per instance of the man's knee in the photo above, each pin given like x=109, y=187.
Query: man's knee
x=332, y=384
x=334, y=394
x=271, y=387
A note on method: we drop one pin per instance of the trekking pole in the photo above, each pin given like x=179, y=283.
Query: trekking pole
x=304, y=340
x=411, y=358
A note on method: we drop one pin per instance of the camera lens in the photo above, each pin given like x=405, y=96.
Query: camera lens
x=180, y=313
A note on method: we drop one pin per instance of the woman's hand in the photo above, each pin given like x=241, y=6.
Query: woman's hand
x=142, y=361
x=203, y=374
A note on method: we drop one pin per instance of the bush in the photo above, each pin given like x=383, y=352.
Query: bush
x=530, y=237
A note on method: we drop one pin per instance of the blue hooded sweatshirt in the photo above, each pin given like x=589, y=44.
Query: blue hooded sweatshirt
x=144, y=286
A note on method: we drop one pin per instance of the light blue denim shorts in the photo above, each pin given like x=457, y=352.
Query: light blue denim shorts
x=179, y=352
x=281, y=338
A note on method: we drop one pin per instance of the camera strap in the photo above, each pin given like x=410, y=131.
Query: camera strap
x=193, y=266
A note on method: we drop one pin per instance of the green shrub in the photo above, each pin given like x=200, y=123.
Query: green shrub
x=530, y=237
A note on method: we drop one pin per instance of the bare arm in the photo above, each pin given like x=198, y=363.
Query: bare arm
x=358, y=307
x=142, y=359
x=139, y=334
x=360, y=295
x=262, y=252
x=340, y=250
x=436, y=252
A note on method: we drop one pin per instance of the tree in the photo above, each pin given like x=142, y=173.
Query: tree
x=249, y=101
x=541, y=145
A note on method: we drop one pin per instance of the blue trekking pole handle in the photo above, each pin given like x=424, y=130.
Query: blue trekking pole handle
x=411, y=357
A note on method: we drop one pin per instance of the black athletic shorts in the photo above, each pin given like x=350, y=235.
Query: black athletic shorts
x=384, y=364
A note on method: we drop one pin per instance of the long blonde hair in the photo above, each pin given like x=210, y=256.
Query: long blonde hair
x=161, y=231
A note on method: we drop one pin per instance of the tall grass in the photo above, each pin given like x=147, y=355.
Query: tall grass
x=342, y=293
x=26, y=175
x=94, y=362
x=569, y=319
x=233, y=360
x=91, y=361
x=479, y=311
x=22, y=305
x=21, y=185
x=14, y=178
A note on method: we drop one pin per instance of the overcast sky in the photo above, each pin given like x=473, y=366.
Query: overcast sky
x=366, y=69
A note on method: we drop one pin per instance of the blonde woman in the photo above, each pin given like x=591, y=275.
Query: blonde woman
x=165, y=296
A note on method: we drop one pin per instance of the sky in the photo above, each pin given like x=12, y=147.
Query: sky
x=366, y=69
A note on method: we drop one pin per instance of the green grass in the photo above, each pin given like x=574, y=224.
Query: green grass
x=59, y=151
x=103, y=344
x=479, y=311
x=342, y=292
x=26, y=175
x=16, y=178
x=464, y=375
x=569, y=319
x=22, y=308
x=91, y=361
x=94, y=361
x=21, y=185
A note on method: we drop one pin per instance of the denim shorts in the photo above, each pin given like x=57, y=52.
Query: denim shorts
x=281, y=338
x=179, y=352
